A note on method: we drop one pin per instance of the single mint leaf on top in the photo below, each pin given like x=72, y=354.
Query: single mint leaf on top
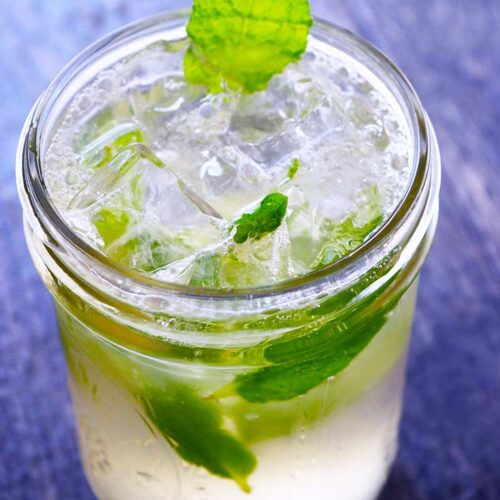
x=265, y=219
x=242, y=44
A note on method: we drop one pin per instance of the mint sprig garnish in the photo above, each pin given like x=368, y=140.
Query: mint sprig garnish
x=242, y=44
x=265, y=219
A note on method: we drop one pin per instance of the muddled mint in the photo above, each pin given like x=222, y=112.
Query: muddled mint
x=341, y=239
x=207, y=271
x=293, y=169
x=265, y=219
x=243, y=44
x=101, y=157
x=133, y=246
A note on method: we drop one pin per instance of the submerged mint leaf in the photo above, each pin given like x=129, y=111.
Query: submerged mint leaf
x=303, y=361
x=284, y=382
x=265, y=219
x=194, y=428
x=336, y=345
x=242, y=44
x=193, y=425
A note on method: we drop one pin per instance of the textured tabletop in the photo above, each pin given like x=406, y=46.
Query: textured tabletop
x=450, y=437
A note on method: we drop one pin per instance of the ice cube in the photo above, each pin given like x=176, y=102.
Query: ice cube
x=270, y=127
x=163, y=106
x=281, y=264
x=259, y=262
x=182, y=116
x=101, y=150
x=110, y=177
x=303, y=231
x=91, y=127
x=148, y=247
x=175, y=205
x=152, y=63
x=178, y=271
x=230, y=265
x=145, y=216
x=230, y=180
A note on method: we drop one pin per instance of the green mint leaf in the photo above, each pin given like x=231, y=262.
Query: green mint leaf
x=293, y=169
x=265, y=219
x=199, y=72
x=194, y=428
x=305, y=360
x=345, y=237
x=298, y=345
x=111, y=224
x=337, y=346
x=242, y=44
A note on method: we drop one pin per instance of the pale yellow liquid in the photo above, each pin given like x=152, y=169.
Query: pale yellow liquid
x=343, y=453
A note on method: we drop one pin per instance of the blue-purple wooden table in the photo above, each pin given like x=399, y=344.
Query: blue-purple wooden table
x=450, y=434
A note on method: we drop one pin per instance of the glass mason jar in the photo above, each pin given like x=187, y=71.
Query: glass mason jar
x=286, y=391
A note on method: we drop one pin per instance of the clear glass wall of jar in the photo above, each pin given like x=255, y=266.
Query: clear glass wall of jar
x=288, y=391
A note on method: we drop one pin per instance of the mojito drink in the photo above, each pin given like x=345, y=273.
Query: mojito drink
x=234, y=271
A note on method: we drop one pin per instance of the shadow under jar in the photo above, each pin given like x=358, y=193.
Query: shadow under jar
x=287, y=391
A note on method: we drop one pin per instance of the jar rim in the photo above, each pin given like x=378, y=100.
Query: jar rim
x=30, y=176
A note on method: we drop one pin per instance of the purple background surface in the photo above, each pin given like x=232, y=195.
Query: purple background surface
x=450, y=439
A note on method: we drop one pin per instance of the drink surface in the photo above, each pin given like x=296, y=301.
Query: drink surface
x=158, y=174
